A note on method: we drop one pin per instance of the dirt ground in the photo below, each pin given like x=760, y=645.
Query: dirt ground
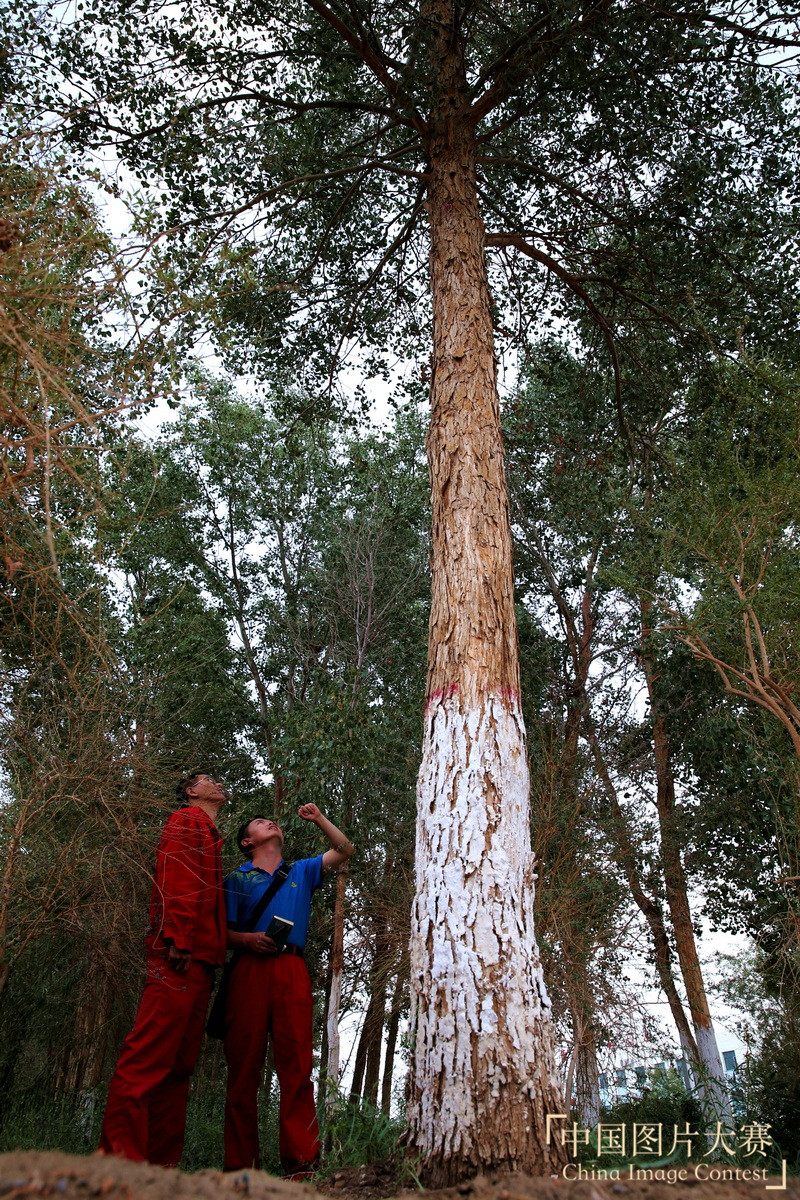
x=51, y=1176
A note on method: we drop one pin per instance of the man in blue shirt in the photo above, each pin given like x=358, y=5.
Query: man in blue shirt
x=270, y=994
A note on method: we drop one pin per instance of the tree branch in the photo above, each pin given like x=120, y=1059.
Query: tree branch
x=372, y=60
x=520, y=61
x=296, y=108
x=575, y=285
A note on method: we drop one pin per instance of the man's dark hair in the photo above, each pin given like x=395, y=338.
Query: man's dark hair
x=187, y=782
x=241, y=834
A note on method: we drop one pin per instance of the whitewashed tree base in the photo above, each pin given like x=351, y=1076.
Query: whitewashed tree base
x=483, y=1078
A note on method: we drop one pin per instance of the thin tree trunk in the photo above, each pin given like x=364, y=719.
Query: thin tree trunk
x=376, y=1013
x=240, y=614
x=332, y=1069
x=357, y=1081
x=322, y=1084
x=568, y=1080
x=366, y=1070
x=587, y=1077
x=13, y=852
x=583, y=1070
x=84, y=1061
x=713, y=1082
x=376, y=1016
x=579, y=641
x=391, y=1042
x=483, y=1076
x=370, y=1039
x=372, y=1068
x=625, y=856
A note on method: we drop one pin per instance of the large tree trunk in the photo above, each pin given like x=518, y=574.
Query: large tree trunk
x=483, y=1073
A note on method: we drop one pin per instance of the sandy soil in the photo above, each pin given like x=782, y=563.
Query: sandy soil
x=64, y=1177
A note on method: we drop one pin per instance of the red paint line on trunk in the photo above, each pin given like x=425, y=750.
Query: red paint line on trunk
x=510, y=696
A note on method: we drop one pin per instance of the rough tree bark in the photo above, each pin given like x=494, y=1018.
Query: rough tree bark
x=483, y=1078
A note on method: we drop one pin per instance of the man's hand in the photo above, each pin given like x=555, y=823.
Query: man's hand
x=341, y=848
x=179, y=959
x=309, y=812
x=259, y=943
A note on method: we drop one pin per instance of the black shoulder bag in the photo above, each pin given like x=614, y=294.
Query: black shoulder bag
x=216, y=1024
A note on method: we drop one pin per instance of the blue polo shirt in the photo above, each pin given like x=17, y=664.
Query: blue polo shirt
x=245, y=887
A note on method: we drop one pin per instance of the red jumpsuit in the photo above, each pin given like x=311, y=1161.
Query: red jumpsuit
x=270, y=996
x=145, y=1115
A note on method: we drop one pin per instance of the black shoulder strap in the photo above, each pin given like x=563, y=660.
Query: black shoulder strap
x=278, y=880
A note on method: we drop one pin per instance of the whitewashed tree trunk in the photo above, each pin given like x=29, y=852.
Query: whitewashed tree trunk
x=714, y=1084
x=483, y=1058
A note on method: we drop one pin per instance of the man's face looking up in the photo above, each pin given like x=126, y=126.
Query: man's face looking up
x=205, y=787
x=261, y=830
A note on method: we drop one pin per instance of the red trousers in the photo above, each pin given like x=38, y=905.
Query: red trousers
x=270, y=996
x=145, y=1117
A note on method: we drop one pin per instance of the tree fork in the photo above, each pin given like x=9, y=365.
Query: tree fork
x=483, y=1078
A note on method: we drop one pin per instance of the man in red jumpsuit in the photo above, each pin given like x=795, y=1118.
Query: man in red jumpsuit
x=145, y=1115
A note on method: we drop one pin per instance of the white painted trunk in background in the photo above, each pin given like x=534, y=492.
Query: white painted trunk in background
x=332, y=1023
x=587, y=1080
x=689, y=1061
x=483, y=1073
x=714, y=1084
x=589, y=1096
